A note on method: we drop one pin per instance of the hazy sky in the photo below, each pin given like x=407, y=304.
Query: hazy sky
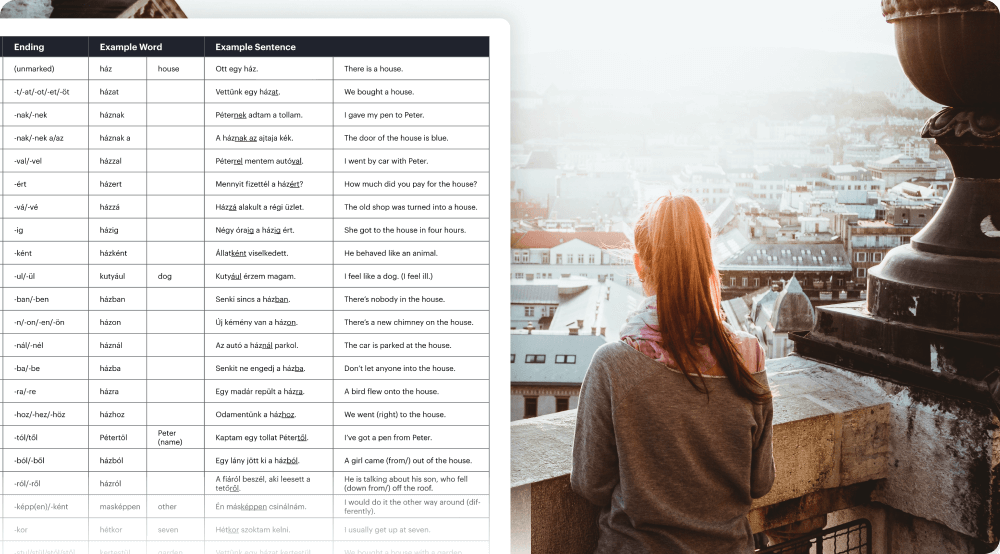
x=646, y=26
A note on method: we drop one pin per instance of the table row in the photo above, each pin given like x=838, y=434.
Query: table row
x=233, y=216
x=132, y=324
x=196, y=187
x=287, y=535
x=37, y=345
x=169, y=68
x=217, y=93
x=249, y=459
x=108, y=140
x=274, y=368
x=109, y=162
x=449, y=247
x=311, y=393
x=62, y=116
x=191, y=485
x=109, y=436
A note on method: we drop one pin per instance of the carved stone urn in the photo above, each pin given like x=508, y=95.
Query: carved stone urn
x=948, y=277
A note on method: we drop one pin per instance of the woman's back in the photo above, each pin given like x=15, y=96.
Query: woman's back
x=673, y=469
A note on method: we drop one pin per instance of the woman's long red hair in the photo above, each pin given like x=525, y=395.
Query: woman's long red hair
x=674, y=244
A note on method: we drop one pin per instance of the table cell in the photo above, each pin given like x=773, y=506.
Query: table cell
x=109, y=413
x=352, y=370
x=168, y=68
x=271, y=136
x=410, y=160
x=46, y=391
x=40, y=530
x=177, y=413
x=428, y=232
x=255, y=461
x=117, y=520
x=269, y=366
x=429, y=460
x=285, y=323
x=424, y=184
x=439, y=482
x=272, y=207
x=412, y=529
x=46, y=67
x=117, y=184
x=269, y=68
x=173, y=138
x=107, y=68
x=176, y=505
x=377, y=257
x=42, y=91
x=45, y=138
x=33, y=367
x=121, y=114
x=285, y=532
x=410, y=114
x=171, y=161
x=175, y=114
x=174, y=92
x=376, y=275
x=275, y=483
x=186, y=480
x=286, y=160
x=411, y=68
x=39, y=345
x=179, y=366
x=363, y=436
x=269, y=299
x=379, y=299
x=36, y=114
x=412, y=206
x=392, y=138
x=411, y=320
x=18, y=437
x=176, y=299
x=267, y=230
x=255, y=113
x=118, y=92
x=37, y=160
x=17, y=184
x=174, y=344
x=42, y=460
x=300, y=391
x=175, y=391
x=376, y=413
x=403, y=91
x=226, y=93
x=287, y=276
x=112, y=138
x=276, y=253
x=46, y=483
x=117, y=367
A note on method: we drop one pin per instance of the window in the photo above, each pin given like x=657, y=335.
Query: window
x=529, y=311
x=558, y=259
x=562, y=404
x=862, y=273
x=545, y=257
x=534, y=358
x=569, y=258
x=565, y=358
x=860, y=257
x=756, y=283
x=519, y=276
x=876, y=256
x=732, y=282
x=530, y=407
x=591, y=259
x=579, y=258
x=513, y=357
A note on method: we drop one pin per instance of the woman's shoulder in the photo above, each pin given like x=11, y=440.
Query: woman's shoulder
x=749, y=347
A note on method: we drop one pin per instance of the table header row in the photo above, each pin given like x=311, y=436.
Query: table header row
x=245, y=47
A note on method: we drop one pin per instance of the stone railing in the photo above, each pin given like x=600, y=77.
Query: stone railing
x=845, y=445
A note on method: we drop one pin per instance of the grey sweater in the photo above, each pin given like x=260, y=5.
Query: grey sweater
x=673, y=470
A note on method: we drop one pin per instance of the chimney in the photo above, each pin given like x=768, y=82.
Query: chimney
x=530, y=327
x=579, y=324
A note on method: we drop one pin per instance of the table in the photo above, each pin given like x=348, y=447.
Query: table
x=245, y=300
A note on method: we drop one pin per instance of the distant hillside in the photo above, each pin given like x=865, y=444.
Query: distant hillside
x=748, y=70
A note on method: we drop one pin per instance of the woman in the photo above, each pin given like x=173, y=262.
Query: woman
x=673, y=432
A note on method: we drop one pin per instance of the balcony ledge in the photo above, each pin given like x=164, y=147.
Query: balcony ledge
x=840, y=440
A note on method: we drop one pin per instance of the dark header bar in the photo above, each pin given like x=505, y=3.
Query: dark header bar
x=249, y=47
x=246, y=47
x=43, y=47
x=147, y=47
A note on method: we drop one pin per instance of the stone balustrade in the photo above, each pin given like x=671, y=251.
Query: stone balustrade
x=846, y=445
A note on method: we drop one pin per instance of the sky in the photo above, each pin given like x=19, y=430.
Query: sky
x=644, y=28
